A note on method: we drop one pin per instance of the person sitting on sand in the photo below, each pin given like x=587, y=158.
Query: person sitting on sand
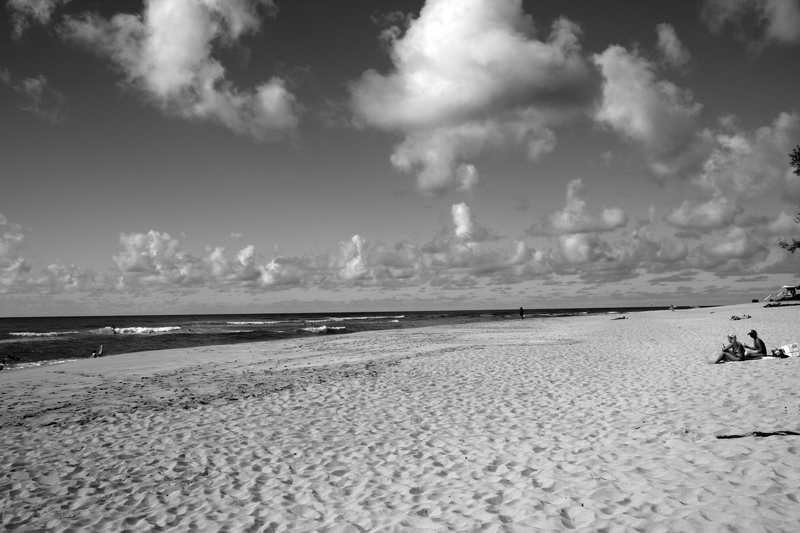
x=733, y=351
x=758, y=349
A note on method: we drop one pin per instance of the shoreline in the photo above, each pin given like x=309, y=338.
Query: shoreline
x=580, y=422
x=31, y=342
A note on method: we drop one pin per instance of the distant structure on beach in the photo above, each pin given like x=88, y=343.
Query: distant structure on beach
x=787, y=292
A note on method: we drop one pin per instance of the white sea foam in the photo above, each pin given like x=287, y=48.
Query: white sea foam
x=41, y=334
x=346, y=318
x=254, y=323
x=35, y=364
x=323, y=329
x=145, y=330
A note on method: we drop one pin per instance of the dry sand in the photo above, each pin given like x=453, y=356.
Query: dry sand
x=580, y=423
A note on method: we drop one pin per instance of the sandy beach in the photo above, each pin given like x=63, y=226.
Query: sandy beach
x=576, y=423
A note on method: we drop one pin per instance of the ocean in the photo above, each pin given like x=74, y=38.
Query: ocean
x=36, y=341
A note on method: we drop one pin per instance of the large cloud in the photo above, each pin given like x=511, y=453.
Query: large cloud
x=779, y=20
x=656, y=113
x=167, y=54
x=467, y=75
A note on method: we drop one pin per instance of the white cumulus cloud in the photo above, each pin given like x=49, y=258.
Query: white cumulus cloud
x=353, y=262
x=284, y=272
x=575, y=219
x=716, y=213
x=750, y=163
x=156, y=257
x=241, y=268
x=739, y=166
x=656, y=113
x=469, y=75
x=167, y=53
x=784, y=224
x=737, y=243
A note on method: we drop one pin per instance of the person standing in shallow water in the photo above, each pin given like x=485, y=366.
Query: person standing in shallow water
x=521, y=313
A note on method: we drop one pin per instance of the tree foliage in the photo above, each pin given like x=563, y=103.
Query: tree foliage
x=794, y=159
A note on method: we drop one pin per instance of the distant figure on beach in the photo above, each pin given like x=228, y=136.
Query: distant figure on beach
x=733, y=351
x=758, y=349
x=98, y=352
x=521, y=313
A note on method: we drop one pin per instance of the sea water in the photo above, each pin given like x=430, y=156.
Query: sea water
x=36, y=341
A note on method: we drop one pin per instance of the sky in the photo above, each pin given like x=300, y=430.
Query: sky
x=257, y=156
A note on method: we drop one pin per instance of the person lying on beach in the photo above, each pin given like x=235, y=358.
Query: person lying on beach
x=758, y=349
x=733, y=351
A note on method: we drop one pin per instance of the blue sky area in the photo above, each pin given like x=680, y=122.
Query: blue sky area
x=189, y=156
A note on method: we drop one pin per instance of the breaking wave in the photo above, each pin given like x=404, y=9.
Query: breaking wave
x=43, y=334
x=254, y=323
x=136, y=330
x=325, y=329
